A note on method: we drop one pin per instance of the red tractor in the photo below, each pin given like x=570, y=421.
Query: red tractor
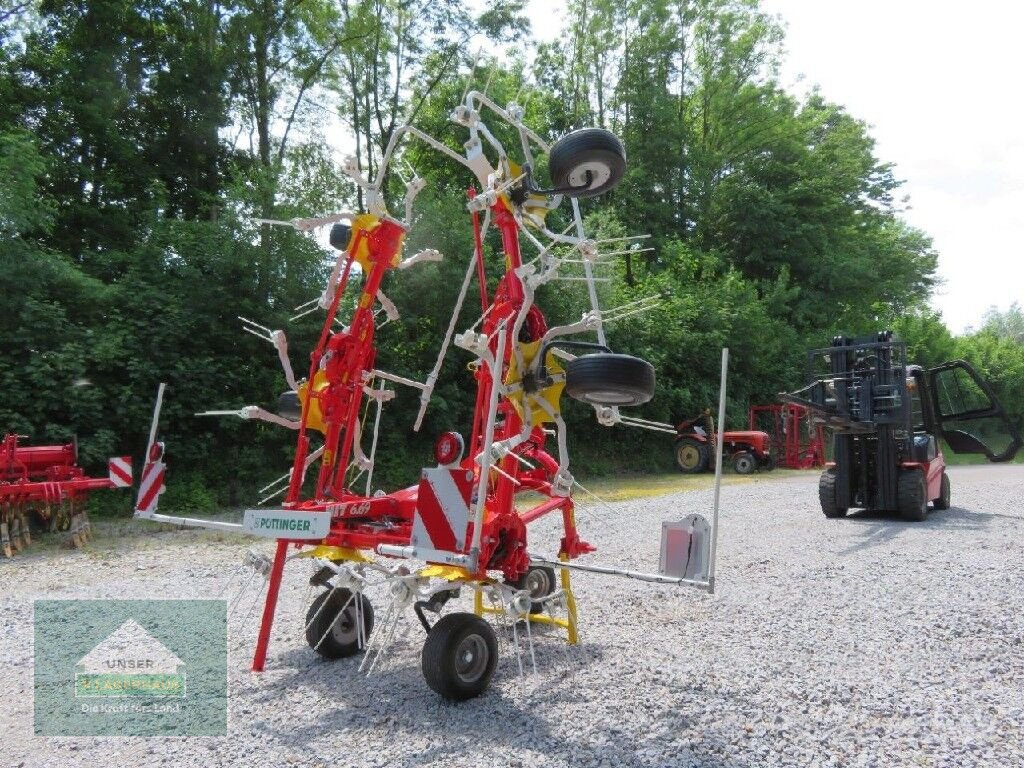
x=695, y=447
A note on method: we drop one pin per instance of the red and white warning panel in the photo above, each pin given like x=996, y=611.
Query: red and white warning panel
x=119, y=470
x=442, y=510
x=150, y=488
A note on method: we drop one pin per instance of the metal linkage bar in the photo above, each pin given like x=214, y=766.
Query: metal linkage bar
x=653, y=578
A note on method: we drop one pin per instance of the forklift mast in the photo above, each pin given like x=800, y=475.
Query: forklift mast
x=869, y=408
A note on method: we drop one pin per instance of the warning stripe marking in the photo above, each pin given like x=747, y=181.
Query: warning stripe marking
x=442, y=512
x=119, y=470
x=151, y=487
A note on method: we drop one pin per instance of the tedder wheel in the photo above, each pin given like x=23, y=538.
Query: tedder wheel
x=331, y=623
x=744, y=463
x=827, y=495
x=587, y=162
x=459, y=656
x=692, y=456
x=539, y=581
x=610, y=379
x=912, y=495
x=289, y=406
x=943, y=501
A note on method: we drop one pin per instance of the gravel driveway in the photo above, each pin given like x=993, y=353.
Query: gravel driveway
x=857, y=642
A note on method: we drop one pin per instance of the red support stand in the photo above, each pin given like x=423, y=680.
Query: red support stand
x=276, y=571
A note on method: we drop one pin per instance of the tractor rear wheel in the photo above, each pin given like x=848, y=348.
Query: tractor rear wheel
x=332, y=627
x=610, y=379
x=912, y=495
x=539, y=581
x=744, y=463
x=459, y=656
x=943, y=501
x=692, y=455
x=827, y=495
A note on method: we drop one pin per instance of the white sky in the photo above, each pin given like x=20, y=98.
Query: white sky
x=939, y=84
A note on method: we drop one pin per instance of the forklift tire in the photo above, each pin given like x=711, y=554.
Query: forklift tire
x=459, y=656
x=912, y=495
x=331, y=628
x=609, y=379
x=539, y=581
x=943, y=501
x=827, y=495
x=692, y=456
x=744, y=463
x=587, y=162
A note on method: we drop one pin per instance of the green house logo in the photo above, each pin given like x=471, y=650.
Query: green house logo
x=130, y=662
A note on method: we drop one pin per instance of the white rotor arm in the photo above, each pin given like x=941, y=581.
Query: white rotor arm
x=389, y=306
x=279, y=341
x=428, y=254
x=308, y=225
x=255, y=412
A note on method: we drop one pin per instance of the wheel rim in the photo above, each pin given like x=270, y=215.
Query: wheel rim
x=688, y=456
x=609, y=398
x=599, y=174
x=537, y=583
x=343, y=630
x=471, y=657
x=744, y=465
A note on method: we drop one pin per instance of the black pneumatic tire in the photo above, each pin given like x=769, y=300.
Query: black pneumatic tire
x=912, y=495
x=943, y=501
x=692, y=456
x=539, y=581
x=289, y=406
x=331, y=629
x=592, y=150
x=744, y=463
x=459, y=656
x=827, y=495
x=609, y=379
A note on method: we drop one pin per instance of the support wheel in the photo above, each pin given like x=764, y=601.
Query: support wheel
x=587, y=162
x=943, y=501
x=459, y=656
x=692, y=456
x=744, y=463
x=610, y=379
x=332, y=623
x=912, y=495
x=827, y=495
x=539, y=581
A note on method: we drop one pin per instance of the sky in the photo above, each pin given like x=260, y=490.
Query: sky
x=939, y=84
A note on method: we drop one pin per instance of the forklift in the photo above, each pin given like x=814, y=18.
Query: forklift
x=887, y=418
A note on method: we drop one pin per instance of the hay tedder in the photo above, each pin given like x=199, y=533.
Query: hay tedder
x=463, y=526
x=45, y=482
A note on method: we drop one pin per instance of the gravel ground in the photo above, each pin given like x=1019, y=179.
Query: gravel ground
x=857, y=642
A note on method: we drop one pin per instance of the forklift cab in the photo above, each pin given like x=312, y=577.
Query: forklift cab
x=954, y=403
